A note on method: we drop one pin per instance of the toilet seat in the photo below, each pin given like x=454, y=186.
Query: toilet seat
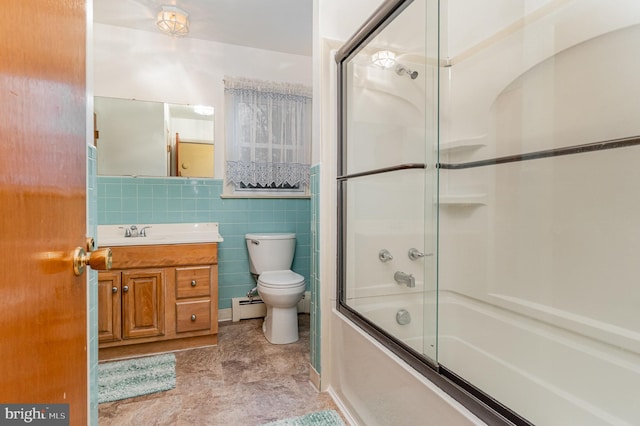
x=280, y=279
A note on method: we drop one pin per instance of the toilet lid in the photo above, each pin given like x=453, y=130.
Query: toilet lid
x=280, y=279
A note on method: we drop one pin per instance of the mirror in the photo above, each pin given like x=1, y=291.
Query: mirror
x=143, y=138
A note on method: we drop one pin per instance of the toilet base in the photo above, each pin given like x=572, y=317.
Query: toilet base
x=280, y=325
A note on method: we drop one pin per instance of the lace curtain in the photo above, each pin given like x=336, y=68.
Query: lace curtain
x=268, y=128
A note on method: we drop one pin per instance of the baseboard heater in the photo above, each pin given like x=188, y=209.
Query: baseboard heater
x=243, y=308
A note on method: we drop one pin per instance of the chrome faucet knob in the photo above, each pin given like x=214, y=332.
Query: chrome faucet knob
x=415, y=254
x=384, y=255
x=127, y=231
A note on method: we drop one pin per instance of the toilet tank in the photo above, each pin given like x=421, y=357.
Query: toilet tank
x=270, y=252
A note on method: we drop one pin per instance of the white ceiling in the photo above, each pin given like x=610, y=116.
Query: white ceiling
x=279, y=25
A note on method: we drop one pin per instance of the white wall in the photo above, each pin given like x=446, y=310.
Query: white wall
x=155, y=67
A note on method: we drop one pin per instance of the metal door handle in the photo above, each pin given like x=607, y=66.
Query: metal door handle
x=99, y=260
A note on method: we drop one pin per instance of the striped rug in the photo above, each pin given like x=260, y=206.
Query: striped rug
x=134, y=377
x=318, y=418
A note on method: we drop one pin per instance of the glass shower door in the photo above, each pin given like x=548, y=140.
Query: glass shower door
x=387, y=182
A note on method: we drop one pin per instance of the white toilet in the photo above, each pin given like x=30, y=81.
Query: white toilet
x=270, y=257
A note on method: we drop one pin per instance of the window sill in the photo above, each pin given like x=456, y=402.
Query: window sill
x=254, y=195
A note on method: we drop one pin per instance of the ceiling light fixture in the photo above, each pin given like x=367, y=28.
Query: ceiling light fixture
x=173, y=21
x=203, y=109
x=384, y=58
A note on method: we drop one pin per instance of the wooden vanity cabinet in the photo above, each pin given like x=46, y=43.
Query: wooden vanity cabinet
x=131, y=304
x=158, y=298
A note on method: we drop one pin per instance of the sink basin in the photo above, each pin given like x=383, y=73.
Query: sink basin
x=160, y=233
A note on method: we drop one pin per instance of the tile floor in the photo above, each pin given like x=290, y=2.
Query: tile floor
x=244, y=380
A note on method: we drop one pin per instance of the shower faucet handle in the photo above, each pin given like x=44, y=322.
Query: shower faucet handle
x=384, y=255
x=415, y=254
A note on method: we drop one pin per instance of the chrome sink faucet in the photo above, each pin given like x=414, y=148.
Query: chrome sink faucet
x=134, y=231
x=404, y=278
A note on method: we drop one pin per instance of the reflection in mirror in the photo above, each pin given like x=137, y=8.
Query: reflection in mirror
x=191, y=134
x=141, y=138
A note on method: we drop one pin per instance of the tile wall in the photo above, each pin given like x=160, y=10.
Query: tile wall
x=315, y=268
x=128, y=200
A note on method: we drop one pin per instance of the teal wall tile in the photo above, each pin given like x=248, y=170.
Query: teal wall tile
x=129, y=190
x=145, y=191
x=314, y=265
x=127, y=200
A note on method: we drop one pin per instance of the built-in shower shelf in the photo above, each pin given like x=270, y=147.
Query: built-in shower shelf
x=463, y=200
x=465, y=144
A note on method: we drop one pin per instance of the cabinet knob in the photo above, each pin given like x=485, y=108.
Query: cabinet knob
x=114, y=289
x=193, y=283
x=193, y=317
x=125, y=288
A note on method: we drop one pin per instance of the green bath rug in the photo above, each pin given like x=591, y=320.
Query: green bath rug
x=134, y=377
x=319, y=418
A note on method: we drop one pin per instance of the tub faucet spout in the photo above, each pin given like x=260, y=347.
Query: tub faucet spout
x=404, y=278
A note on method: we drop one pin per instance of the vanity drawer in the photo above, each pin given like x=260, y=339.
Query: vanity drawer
x=193, y=316
x=193, y=281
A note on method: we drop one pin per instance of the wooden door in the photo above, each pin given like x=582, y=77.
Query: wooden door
x=143, y=303
x=196, y=159
x=43, y=313
x=109, y=307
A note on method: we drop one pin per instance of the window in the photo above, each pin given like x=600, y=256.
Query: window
x=268, y=132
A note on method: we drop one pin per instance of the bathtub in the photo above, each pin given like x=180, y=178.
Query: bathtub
x=519, y=358
x=527, y=357
x=409, y=315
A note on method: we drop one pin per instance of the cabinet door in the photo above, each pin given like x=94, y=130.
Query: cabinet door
x=143, y=303
x=109, y=313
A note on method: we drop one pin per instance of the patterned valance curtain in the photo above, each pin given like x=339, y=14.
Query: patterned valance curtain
x=268, y=128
